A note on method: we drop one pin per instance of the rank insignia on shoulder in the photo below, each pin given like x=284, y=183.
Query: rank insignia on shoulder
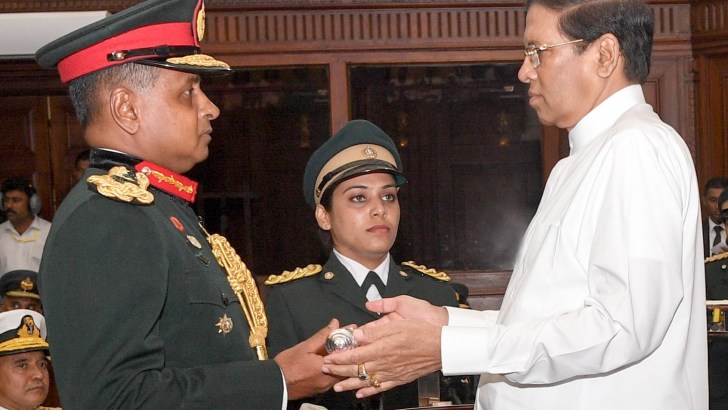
x=123, y=185
x=716, y=257
x=298, y=273
x=441, y=276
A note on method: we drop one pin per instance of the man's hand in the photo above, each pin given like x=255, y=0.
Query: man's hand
x=407, y=307
x=392, y=353
x=301, y=365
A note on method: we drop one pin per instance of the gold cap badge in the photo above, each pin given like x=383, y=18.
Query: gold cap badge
x=27, y=284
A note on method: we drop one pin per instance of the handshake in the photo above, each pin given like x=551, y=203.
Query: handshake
x=370, y=359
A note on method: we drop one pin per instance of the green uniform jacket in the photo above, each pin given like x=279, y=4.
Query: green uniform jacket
x=716, y=288
x=300, y=308
x=132, y=304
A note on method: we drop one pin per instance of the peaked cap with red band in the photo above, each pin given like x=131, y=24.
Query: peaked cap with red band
x=164, y=33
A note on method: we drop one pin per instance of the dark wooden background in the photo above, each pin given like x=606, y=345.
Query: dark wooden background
x=460, y=185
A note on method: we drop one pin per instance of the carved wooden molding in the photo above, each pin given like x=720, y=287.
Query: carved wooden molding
x=23, y=6
x=364, y=29
x=352, y=24
x=9, y=6
x=357, y=30
x=396, y=32
x=672, y=22
x=709, y=21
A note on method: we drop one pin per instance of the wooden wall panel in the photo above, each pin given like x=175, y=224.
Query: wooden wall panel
x=66, y=141
x=363, y=30
x=486, y=288
x=39, y=140
x=669, y=89
x=712, y=115
x=465, y=27
x=339, y=34
x=709, y=22
x=24, y=145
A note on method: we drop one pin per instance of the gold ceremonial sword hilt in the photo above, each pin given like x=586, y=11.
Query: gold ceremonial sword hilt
x=243, y=284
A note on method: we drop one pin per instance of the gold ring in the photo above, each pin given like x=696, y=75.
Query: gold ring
x=362, y=372
x=375, y=383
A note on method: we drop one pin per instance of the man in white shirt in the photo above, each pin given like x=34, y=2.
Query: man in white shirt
x=23, y=235
x=606, y=305
x=714, y=235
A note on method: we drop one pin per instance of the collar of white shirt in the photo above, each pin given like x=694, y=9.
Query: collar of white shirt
x=602, y=116
x=359, y=271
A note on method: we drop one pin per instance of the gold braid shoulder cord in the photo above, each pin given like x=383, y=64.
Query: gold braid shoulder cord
x=241, y=280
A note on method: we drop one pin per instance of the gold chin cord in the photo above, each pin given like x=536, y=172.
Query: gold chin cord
x=241, y=280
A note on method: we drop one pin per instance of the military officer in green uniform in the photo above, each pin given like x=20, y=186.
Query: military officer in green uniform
x=19, y=290
x=352, y=183
x=716, y=288
x=140, y=311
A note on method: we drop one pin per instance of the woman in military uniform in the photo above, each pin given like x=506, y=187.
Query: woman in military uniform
x=352, y=183
x=716, y=289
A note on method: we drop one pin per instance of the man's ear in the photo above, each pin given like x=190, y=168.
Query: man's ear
x=322, y=217
x=124, y=111
x=610, y=54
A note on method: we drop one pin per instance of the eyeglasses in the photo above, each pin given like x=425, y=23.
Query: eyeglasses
x=532, y=51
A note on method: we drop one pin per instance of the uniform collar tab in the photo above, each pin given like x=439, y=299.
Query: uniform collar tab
x=168, y=181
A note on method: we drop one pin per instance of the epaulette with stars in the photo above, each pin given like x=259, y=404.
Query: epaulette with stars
x=298, y=273
x=441, y=276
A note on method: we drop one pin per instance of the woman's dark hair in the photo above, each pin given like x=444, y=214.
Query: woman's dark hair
x=326, y=202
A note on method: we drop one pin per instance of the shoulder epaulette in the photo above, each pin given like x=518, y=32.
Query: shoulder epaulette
x=122, y=184
x=298, y=273
x=716, y=257
x=441, y=276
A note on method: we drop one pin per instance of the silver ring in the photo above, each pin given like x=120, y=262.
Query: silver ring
x=362, y=372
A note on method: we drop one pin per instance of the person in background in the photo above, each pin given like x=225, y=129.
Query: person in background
x=23, y=360
x=81, y=164
x=714, y=234
x=605, y=308
x=141, y=312
x=23, y=235
x=352, y=183
x=716, y=289
x=19, y=290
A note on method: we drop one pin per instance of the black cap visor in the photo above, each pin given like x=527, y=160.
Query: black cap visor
x=187, y=68
x=357, y=168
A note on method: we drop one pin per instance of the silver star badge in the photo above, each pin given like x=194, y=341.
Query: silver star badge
x=225, y=324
